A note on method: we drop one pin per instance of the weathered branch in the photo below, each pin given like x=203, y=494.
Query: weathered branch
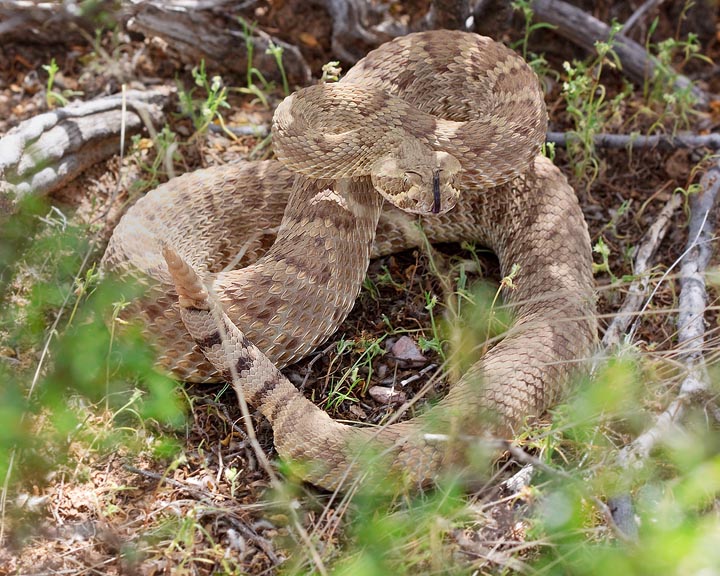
x=662, y=141
x=691, y=319
x=43, y=153
x=39, y=21
x=195, y=29
x=691, y=338
x=643, y=261
x=584, y=30
x=195, y=35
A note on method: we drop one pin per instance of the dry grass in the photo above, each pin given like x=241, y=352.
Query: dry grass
x=112, y=484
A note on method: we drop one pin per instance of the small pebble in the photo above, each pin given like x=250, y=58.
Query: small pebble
x=382, y=371
x=406, y=349
x=386, y=395
x=355, y=410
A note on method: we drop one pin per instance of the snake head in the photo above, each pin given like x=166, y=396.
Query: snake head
x=417, y=179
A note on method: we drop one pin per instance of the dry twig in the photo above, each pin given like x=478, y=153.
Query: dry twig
x=639, y=15
x=691, y=320
x=662, y=141
x=643, y=262
x=691, y=332
x=47, y=151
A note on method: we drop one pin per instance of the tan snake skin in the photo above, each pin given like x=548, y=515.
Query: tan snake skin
x=478, y=105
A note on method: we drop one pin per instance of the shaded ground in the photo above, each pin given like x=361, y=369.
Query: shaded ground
x=208, y=507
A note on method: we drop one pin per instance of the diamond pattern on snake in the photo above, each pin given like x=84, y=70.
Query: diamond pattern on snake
x=445, y=126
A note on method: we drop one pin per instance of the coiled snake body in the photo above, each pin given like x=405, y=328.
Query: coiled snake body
x=431, y=121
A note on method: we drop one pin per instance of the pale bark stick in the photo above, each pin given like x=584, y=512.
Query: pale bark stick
x=691, y=337
x=47, y=151
x=643, y=262
x=691, y=321
x=663, y=141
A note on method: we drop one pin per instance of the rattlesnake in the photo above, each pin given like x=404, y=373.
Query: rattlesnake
x=432, y=119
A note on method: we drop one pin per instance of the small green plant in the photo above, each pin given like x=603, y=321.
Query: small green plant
x=694, y=188
x=536, y=61
x=617, y=216
x=588, y=107
x=52, y=96
x=370, y=287
x=256, y=84
x=276, y=52
x=660, y=89
x=167, y=152
x=548, y=150
x=331, y=72
x=603, y=250
x=205, y=111
x=233, y=475
x=356, y=377
x=253, y=74
x=436, y=342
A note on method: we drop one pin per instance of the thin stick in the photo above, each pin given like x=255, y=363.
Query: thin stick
x=691, y=338
x=636, y=16
x=643, y=262
x=664, y=141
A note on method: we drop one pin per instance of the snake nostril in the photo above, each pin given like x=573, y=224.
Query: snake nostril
x=436, y=192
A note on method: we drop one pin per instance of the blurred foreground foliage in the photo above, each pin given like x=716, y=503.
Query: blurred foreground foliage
x=97, y=386
x=62, y=362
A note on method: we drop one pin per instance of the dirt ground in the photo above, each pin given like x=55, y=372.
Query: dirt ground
x=211, y=508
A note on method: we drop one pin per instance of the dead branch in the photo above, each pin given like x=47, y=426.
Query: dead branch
x=584, y=30
x=639, y=15
x=661, y=141
x=643, y=262
x=693, y=295
x=39, y=21
x=195, y=34
x=691, y=336
x=349, y=27
x=45, y=152
x=691, y=320
x=258, y=130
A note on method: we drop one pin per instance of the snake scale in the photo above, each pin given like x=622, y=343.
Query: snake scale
x=443, y=127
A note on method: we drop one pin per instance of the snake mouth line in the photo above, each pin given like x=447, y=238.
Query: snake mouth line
x=436, y=192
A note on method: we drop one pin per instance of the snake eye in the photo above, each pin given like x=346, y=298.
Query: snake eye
x=412, y=178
